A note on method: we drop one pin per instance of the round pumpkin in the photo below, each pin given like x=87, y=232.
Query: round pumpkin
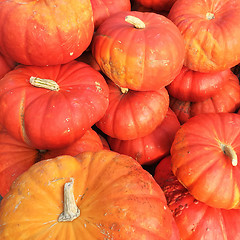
x=102, y=9
x=141, y=51
x=196, y=86
x=101, y=195
x=45, y=32
x=210, y=29
x=227, y=99
x=153, y=147
x=195, y=220
x=133, y=114
x=205, y=154
x=51, y=107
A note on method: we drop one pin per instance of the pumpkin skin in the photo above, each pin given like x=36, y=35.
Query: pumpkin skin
x=157, y=5
x=211, y=33
x=15, y=158
x=6, y=65
x=195, y=220
x=90, y=141
x=116, y=198
x=153, y=147
x=140, y=59
x=133, y=114
x=102, y=9
x=45, y=32
x=227, y=99
x=204, y=158
x=196, y=86
x=49, y=119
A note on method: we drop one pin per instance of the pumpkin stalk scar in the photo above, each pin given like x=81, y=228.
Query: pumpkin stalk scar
x=70, y=209
x=136, y=22
x=44, y=83
x=229, y=151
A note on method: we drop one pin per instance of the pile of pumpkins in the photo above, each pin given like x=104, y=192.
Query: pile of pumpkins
x=120, y=120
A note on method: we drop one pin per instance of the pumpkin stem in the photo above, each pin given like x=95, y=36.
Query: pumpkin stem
x=124, y=90
x=229, y=151
x=139, y=24
x=70, y=209
x=209, y=16
x=44, y=83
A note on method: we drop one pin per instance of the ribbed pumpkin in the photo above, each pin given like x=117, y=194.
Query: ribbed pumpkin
x=210, y=29
x=141, y=51
x=102, y=195
x=205, y=158
x=52, y=106
x=6, y=65
x=195, y=220
x=45, y=32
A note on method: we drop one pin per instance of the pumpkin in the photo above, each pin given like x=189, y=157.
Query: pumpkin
x=45, y=32
x=102, y=9
x=51, y=107
x=95, y=195
x=210, y=29
x=6, y=65
x=157, y=5
x=205, y=154
x=196, y=86
x=227, y=99
x=153, y=147
x=16, y=157
x=133, y=114
x=195, y=220
x=142, y=51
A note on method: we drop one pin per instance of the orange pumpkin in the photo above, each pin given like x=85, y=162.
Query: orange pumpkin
x=102, y=195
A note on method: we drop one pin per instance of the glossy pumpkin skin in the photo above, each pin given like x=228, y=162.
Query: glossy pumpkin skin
x=45, y=32
x=210, y=29
x=116, y=198
x=102, y=9
x=139, y=59
x=196, y=220
x=6, y=65
x=227, y=99
x=158, y=5
x=133, y=114
x=202, y=162
x=48, y=119
x=196, y=86
x=153, y=147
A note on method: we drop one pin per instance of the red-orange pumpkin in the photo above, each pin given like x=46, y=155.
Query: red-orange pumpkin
x=210, y=29
x=102, y=195
x=45, y=32
x=227, y=99
x=196, y=86
x=153, y=147
x=157, y=5
x=6, y=64
x=205, y=154
x=133, y=114
x=139, y=50
x=195, y=220
x=51, y=107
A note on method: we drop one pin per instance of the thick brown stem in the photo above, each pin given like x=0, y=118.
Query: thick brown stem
x=135, y=21
x=44, y=83
x=229, y=151
x=70, y=209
